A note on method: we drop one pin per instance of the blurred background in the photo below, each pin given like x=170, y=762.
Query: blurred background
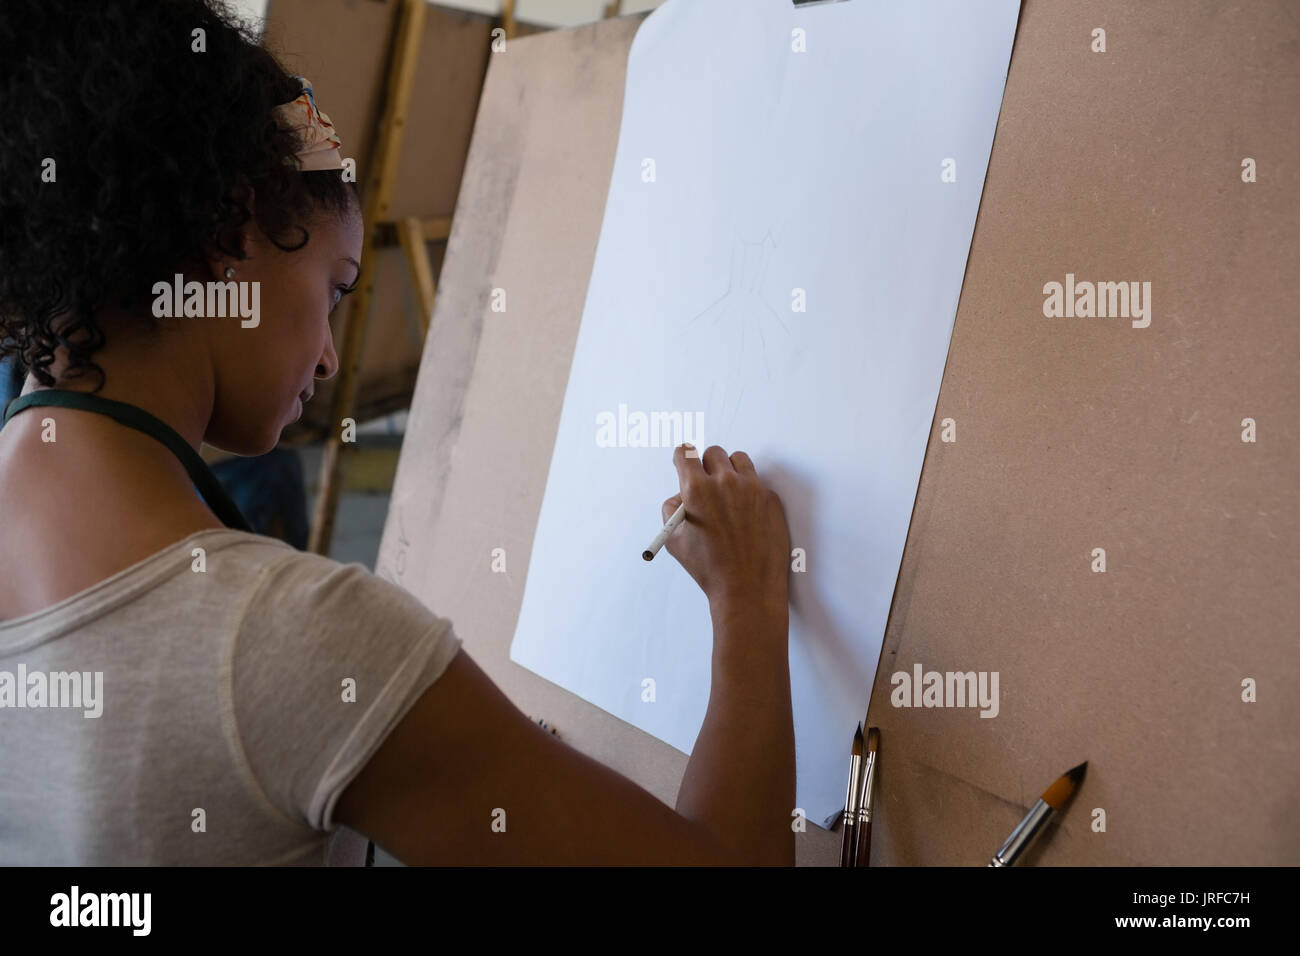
x=545, y=13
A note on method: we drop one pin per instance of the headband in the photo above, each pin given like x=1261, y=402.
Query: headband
x=320, y=146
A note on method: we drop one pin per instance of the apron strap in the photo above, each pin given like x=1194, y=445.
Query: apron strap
x=205, y=482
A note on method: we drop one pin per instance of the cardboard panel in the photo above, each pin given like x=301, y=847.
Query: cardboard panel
x=1083, y=433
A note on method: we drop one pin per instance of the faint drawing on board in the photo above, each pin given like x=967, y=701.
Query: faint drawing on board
x=740, y=334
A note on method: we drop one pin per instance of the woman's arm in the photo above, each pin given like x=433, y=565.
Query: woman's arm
x=463, y=750
x=430, y=792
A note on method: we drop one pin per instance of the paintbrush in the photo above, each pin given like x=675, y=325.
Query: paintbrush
x=862, y=856
x=1052, y=801
x=850, y=843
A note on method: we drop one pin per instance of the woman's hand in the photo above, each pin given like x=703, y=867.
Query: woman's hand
x=734, y=540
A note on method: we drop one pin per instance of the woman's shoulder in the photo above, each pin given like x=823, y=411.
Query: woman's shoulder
x=46, y=563
x=321, y=593
x=327, y=658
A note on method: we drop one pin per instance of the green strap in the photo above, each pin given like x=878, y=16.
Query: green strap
x=129, y=415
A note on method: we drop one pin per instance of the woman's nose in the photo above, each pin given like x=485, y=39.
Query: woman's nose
x=328, y=366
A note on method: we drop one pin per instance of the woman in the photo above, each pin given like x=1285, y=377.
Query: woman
x=257, y=704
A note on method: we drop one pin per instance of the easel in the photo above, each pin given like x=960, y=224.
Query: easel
x=1110, y=667
x=411, y=233
x=377, y=196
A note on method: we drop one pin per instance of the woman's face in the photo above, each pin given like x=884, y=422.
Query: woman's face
x=263, y=371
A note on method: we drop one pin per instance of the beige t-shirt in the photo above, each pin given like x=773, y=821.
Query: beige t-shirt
x=170, y=715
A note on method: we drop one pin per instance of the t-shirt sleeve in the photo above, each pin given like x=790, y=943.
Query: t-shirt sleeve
x=327, y=660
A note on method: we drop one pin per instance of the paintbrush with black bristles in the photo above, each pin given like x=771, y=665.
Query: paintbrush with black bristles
x=862, y=856
x=849, y=843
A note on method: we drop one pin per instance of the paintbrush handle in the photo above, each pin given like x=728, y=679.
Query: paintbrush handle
x=849, y=844
x=863, y=855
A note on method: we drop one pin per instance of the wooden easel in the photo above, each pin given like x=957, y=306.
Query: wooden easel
x=411, y=232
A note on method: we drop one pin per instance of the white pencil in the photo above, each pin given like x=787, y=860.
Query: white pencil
x=678, y=516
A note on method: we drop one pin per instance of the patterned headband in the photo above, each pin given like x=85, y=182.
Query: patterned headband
x=320, y=146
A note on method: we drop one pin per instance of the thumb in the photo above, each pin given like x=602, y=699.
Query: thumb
x=671, y=505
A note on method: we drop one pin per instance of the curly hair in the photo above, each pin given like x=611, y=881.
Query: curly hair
x=154, y=146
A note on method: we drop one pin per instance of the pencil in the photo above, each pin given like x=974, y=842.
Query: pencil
x=678, y=516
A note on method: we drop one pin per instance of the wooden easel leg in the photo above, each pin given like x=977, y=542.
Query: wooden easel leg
x=411, y=233
x=376, y=199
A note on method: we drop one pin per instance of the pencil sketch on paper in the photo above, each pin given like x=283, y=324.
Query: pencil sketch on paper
x=739, y=331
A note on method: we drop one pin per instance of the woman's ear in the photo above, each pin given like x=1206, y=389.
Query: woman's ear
x=235, y=241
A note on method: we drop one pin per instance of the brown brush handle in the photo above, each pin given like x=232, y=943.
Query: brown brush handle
x=863, y=856
x=849, y=844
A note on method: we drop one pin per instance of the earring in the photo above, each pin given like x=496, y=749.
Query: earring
x=230, y=272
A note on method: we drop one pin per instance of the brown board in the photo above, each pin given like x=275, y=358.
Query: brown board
x=1072, y=434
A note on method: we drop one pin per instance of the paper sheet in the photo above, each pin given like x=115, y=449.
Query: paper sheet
x=782, y=252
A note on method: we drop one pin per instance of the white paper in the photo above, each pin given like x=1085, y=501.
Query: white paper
x=774, y=170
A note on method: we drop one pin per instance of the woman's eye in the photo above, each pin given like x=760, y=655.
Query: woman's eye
x=340, y=291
